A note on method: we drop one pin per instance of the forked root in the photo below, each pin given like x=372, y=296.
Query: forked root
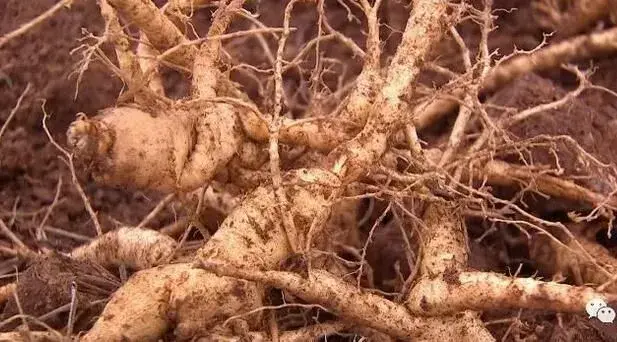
x=363, y=308
x=264, y=242
x=251, y=236
x=161, y=31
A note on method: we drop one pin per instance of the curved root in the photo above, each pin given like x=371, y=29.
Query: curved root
x=137, y=248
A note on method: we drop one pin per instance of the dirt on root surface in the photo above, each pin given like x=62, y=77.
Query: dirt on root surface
x=31, y=168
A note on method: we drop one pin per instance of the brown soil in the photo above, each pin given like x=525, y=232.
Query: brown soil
x=30, y=167
x=48, y=283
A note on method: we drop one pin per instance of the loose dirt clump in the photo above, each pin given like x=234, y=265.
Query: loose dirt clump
x=55, y=281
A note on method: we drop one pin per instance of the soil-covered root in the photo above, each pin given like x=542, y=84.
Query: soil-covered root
x=172, y=150
x=443, y=254
x=253, y=235
x=136, y=248
x=187, y=6
x=159, y=30
x=484, y=291
x=322, y=134
x=157, y=299
x=355, y=305
x=308, y=333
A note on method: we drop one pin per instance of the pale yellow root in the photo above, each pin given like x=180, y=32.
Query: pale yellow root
x=313, y=332
x=322, y=134
x=174, y=151
x=480, y=291
x=206, y=73
x=444, y=254
x=309, y=333
x=127, y=61
x=161, y=31
x=358, y=104
x=426, y=25
x=146, y=55
x=154, y=299
x=351, y=303
x=445, y=287
x=136, y=248
x=187, y=6
x=252, y=235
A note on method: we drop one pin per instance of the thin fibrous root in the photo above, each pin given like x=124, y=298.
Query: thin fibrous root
x=552, y=56
x=14, y=111
x=34, y=22
x=501, y=173
x=136, y=248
